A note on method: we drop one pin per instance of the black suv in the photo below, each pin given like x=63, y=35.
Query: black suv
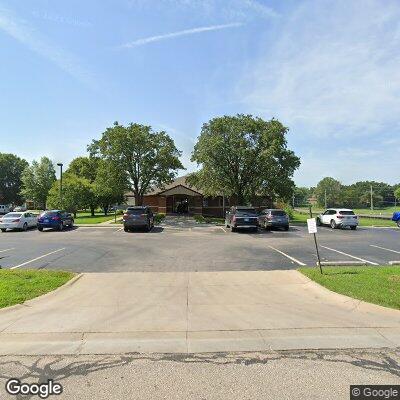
x=241, y=217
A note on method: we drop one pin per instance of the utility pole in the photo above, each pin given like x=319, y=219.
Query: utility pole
x=372, y=199
x=61, y=198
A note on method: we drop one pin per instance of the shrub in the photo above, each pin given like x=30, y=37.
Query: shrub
x=199, y=218
x=159, y=217
x=289, y=211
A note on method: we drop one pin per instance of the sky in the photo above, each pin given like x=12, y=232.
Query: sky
x=328, y=70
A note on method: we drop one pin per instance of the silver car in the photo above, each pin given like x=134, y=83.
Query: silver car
x=138, y=217
x=18, y=220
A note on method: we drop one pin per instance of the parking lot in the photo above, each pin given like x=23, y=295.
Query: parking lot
x=192, y=247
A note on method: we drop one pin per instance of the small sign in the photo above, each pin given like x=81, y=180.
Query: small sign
x=312, y=225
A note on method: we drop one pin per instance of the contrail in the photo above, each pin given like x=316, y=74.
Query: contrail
x=151, y=39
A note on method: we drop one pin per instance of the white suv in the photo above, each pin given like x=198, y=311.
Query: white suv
x=338, y=218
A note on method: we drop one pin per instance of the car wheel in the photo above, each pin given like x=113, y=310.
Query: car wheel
x=71, y=225
x=398, y=223
x=25, y=227
x=148, y=228
x=40, y=229
x=287, y=228
x=353, y=228
x=266, y=227
x=333, y=224
x=233, y=229
x=319, y=223
x=126, y=229
x=3, y=230
x=60, y=226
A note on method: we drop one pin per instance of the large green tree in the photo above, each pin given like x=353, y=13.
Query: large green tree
x=244, y=156
x=148, y=158
x=331, y=190
x=397, y=193
x=77, y=193
x=86, y=168
x=37, y=179
x=11, y=168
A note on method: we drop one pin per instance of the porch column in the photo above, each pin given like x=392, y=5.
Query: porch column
x=162, y=204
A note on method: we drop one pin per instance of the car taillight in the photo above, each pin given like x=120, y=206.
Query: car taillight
x=56, y=218
x=269, y=217
x=15, y=220
x=355, y=217
x=340, y=216
x=125, y=216
x=234, y=218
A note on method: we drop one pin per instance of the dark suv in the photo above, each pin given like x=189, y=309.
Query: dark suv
x=272, y=218
x=56, y=219
x=138, y=217
x=241, y=217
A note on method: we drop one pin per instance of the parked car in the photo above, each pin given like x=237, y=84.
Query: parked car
x=396, y=218
x=338, y=218
x=273, y=218
x=4, y=209
x=20, y=209
x=241, y=217
x=55, y=219
x=18, y=220
x=138, y=217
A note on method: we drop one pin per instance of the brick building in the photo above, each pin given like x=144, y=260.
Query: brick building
x=180, y=197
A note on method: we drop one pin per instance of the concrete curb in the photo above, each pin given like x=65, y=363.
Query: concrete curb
x=342, y=263
x=30, y=302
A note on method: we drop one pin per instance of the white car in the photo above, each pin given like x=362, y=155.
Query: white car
x=18, y=220
x=338, y=218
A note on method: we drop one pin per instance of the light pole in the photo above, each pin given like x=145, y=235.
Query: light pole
x=60, y=165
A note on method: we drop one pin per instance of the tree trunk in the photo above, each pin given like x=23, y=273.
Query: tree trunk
x=92, y=211
x=138, y=199
x=74, y=214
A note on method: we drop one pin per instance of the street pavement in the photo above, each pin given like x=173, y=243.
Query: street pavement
x=289, y=375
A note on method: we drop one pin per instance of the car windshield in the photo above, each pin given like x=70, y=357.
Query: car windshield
x=12, y=215
x=346, y=213
x=278, y=213
x=136, y=211
x=246, y=211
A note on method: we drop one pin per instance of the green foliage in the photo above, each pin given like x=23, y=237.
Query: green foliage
x=84, y=167
x=199, y=218
x=244, y=156
x=158, y=218
x=37, y=180
x=333, y=190
x=77, y=193
x=289, y=211
x=301, y=196
x=11, y=168
x=397, y=193
x=148, y=158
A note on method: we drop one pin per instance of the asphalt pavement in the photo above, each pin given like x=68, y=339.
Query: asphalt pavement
x=193, y=247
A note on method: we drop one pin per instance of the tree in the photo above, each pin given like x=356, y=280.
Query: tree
x=148, y=158
x=11, y=168
x=110, y=185
x=244, y=156
x=397, y=193
x=37, y=180
x=301, y=196
x=333, y=190
x=77, y=193
x=86, y=167
x=365, y=199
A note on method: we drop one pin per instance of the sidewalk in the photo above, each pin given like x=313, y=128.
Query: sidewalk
x=194, y=312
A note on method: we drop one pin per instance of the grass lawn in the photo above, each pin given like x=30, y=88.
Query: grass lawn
x=378, y=285
x=84, y=217
x=19, y=286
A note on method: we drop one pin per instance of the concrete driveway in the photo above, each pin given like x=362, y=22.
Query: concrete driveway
x=183, y=312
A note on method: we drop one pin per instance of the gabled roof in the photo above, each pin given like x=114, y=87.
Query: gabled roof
x=178, y=182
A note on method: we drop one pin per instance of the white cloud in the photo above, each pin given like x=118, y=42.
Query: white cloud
x=186, y=32
x=25, y=34
x=333, y=70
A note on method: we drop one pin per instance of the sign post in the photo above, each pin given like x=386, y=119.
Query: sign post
x=312, y=228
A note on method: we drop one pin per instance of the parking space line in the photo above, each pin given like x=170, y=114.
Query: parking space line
x=289, y=257
x=349, y=255
x=384, y=248
x=2, y=251
x=223, y=229
x=118, y=230
x=37, y=258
